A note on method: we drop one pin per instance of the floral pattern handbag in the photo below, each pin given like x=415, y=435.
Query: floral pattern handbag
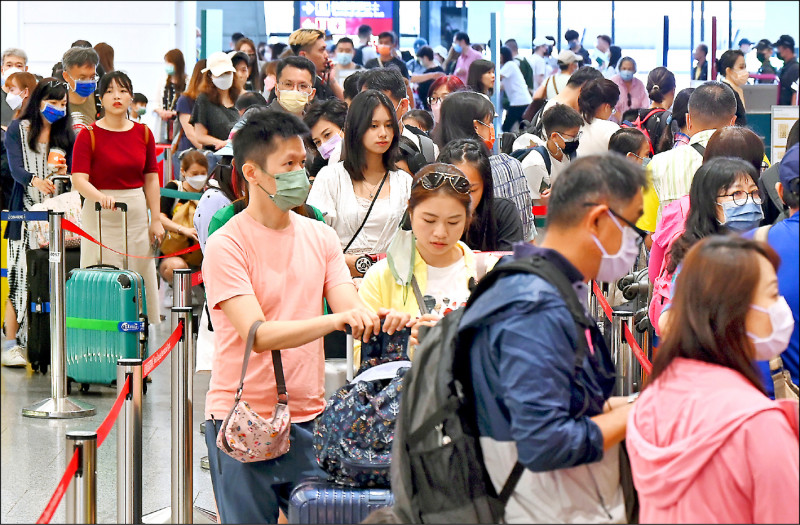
x=245, y=435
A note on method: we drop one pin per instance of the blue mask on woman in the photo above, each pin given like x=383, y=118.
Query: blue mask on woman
x=626, y=75
x=742, y=218
x=52, y=113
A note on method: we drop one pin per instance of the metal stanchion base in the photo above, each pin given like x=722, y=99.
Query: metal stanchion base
x=199, y=515
x=64, y=408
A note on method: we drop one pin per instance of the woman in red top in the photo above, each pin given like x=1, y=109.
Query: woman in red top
x=115, y=161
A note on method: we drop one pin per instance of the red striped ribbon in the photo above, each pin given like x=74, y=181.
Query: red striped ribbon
x=540, y=211
x=108, y=422
x=74, y=228
x=197, y=278
x=152, y=362
x=55, y=499
x=647, y=366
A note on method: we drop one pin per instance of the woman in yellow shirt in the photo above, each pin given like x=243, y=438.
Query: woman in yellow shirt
x=431, y=254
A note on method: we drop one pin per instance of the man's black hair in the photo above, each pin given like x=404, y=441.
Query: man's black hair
x=384, y=79
x=559, y=118
x=712, y=102
x=422, y=116
x=703, y=48
x=680, y=107
x=139, y=98
x=425, y=51
x=81, y=43
x=296, y=62
x=583, y=75
x=505, y=54
x=571, y=34
x=240, y=56
x=350, y=86
x=255, y=140
x=236, y=37
x=463, y=36
x=388, y=34
x=607, y=178
x=605, y=38
x=249, y=99
x=333, y=110
x=364, y=30
x=345, y=40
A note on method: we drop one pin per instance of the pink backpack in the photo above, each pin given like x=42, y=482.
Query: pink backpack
x=672, y=226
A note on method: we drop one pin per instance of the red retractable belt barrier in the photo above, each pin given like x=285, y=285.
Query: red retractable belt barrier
x=150, y=364
x=647, y=366
x=74, y=228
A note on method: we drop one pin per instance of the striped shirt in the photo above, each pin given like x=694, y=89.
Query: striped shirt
x=510, y=182
x=674, y=169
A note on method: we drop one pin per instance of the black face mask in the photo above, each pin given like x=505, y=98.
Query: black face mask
x=570, y=147
x=760, y=57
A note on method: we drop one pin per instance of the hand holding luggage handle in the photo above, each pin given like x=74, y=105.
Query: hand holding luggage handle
x=124, y=208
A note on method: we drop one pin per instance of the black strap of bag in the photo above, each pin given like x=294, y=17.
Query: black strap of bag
x=369, y=210
x=423, y=308
x=277, y=365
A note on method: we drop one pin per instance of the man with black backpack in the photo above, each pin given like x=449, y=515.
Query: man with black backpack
x=507, y=413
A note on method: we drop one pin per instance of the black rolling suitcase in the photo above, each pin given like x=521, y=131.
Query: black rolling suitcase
x=38, y=261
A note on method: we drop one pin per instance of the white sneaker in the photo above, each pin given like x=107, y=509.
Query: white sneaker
x=13, y=358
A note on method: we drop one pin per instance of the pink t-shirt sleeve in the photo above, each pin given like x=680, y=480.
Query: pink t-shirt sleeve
x=773, y=460
x=82, y=153
x=336, y=272
x=225, y=270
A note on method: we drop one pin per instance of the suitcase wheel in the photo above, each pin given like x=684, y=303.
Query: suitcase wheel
x=84, y=387
x=69, y=386
x=144, y=388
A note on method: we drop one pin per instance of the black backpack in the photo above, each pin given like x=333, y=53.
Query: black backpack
x=520, y=155
x=654, y=123
x=409, y=151
x=437, y=473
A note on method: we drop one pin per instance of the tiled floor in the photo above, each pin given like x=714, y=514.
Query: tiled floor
x=32, y=451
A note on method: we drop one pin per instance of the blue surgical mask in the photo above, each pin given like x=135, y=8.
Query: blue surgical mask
x=741, y=218
x=457, y=48
x=646, y=161
x=344, y=59
x=84, y=88
x=52, y=113
x=626, y=75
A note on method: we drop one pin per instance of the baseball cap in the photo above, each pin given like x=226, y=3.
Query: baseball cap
x=785, y=41
x=540, y=41
x=567, y=57
x=745, y=41
x=441, y=50
x=418, y=43
x=788, y=169
x=219, y=63
x=763, y=44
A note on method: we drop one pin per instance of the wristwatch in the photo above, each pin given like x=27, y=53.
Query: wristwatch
x=363, y=263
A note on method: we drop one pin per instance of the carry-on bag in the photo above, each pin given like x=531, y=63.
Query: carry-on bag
x=318, y=501
x=38, y=262
x=106, y=317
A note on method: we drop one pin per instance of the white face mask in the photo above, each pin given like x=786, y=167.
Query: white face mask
x=14, y=101
x=612, y=267
x=223, y=82
x=8, y=72
x=780, y=316
x=196, y=181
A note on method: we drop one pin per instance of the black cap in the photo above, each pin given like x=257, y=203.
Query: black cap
x=745, y=41
x=763, y=44
x=785, y=41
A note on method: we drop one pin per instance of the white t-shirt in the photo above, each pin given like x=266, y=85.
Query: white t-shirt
x=594, y=137
x=556, y=84
x=446, y=285
x=514, y=85
x=539, y=67
x=535, y=171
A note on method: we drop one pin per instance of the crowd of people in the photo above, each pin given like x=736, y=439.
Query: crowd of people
x=312, y=163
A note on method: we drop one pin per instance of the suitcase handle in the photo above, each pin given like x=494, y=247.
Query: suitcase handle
x=123, y=207
x=102, y=266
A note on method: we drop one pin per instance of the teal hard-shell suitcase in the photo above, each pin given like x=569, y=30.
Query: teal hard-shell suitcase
x=106, y=319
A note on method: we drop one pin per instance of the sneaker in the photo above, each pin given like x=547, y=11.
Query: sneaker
x=13, y=358
x=8, y=344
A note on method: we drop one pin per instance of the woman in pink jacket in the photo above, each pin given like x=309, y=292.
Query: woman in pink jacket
x=706, y=444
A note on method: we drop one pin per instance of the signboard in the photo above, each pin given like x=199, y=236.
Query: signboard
x=343, y=18
x=782, y=119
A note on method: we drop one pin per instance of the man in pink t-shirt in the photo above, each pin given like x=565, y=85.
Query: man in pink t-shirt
x=269, y=264
x=467, y=55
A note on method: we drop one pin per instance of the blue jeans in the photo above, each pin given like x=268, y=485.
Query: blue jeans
x=253, y=492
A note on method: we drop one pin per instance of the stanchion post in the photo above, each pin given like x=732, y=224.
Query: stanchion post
x=182, y=492
x=621, y=353
x=129, y=443
x=81, y=494
x=58, y=405
x=168, y=174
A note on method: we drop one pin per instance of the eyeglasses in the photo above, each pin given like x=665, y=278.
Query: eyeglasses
x=431, y=181
x=91, y=79
x=437, y=100
x=291, y=86
x=640, y=232
x=57, y=83
x=740, y=197
x=571, y=139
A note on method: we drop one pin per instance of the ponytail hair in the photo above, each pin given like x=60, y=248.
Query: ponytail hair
x=660, y=82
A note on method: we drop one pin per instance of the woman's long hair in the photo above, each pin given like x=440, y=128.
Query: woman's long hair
x=482, y=232
x=359, y=119
x=193, y=89
x=712, y=178
x=61, y=134
x=712, y=297
x=458, y=111
x=175, y=57
x=476, y=71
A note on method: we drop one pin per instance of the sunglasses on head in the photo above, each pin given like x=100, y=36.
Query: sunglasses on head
x=431, y=181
